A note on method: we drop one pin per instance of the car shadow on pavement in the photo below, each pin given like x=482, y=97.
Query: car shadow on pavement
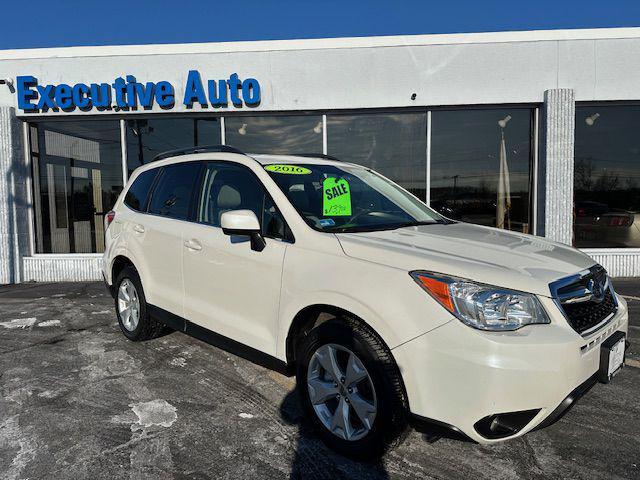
x=312, y=459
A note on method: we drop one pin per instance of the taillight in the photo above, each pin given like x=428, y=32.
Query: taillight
x=108, y=218
x=619, y=221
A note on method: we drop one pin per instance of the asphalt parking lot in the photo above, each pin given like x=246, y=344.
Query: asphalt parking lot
x=77, y=400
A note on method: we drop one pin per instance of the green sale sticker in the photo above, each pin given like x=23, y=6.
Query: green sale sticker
x=288, y=169
x=336, y=199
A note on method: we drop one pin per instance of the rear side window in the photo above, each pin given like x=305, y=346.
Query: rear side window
x=172, y=194
x=136, y=197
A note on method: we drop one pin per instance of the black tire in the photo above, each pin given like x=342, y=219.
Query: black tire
x=147, y=327
x=391, y=419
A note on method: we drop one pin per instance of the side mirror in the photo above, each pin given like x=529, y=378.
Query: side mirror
x=243, y=222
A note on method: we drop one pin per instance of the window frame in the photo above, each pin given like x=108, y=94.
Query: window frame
x=537, y=215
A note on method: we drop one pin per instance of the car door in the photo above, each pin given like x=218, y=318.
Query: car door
x=156, y=236
x=230, y=288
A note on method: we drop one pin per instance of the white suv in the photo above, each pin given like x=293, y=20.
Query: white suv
x=387, y=311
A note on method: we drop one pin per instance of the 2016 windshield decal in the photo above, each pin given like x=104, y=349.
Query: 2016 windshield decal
x=129, y=94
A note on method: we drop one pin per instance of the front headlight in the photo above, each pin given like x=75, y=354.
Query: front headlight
x=483, y=306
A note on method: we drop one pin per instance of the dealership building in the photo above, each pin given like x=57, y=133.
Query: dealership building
x=550, y=120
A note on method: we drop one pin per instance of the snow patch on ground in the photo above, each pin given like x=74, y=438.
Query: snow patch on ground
x=156, y=412
x=19, y=323
x=13, y=437
x=49, y=323
x=47, y=394
x=19, y=396
x=245, y=415
x=101, y=312
x=179, y=362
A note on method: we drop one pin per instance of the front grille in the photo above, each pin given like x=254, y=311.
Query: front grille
x=587, y=299
x=583, y=316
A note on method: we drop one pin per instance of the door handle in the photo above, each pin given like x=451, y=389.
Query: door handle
x=138, y=228
x=193, y=245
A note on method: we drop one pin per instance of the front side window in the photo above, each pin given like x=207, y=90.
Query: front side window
x=349, y=198
x=229, y=187
x=136, y=197
x=607, y=177
x=172, y=194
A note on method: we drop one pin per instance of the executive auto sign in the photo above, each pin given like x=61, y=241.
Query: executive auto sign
x=129, y=94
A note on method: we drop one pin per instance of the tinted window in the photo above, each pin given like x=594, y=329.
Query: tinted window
x=136, y=196
x=607, y=176
x=481, y=164
x=77, y=179
x=172, y=195
x=148, y=137
x=230, y=187
x=393, y=144
x=290, y=134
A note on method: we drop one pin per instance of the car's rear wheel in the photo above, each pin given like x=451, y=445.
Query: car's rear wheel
x=131, y=307
x=351, y=388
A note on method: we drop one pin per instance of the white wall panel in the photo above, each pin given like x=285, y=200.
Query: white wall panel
x=353, y=73
x=63, y=268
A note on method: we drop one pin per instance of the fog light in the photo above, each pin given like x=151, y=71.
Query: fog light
x=501, y=425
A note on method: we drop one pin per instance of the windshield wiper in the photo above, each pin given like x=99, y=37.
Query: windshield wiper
x=376, y=228
x=419, y=223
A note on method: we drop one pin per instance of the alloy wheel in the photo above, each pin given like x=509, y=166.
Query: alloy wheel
x=128, y=305
x=341, y=392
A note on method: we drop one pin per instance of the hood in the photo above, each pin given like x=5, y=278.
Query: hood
x=483, y=254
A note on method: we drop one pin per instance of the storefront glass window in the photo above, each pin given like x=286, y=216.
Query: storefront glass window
x=77, y=179
x=607, y=177
x=275, y=134
x=146, y=138
x=394, y=144
x=481, y=162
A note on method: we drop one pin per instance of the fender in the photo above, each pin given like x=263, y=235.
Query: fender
x=339, y=300
x=122, y=251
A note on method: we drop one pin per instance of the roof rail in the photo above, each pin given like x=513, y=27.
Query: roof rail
x=202, y=149
x=317, y=155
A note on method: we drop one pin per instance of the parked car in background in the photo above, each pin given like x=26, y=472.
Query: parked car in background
x=598, y=225
x=387, y=312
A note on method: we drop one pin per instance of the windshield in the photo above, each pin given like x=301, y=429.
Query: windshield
x=349, y=198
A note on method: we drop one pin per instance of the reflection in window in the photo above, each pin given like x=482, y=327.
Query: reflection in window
x=393, y=144
x=146, y=138
x=481, y=166
x=78, y=174
x=276, y=134
x=607, y=176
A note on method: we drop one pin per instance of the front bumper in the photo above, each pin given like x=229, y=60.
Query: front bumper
x=459, y=376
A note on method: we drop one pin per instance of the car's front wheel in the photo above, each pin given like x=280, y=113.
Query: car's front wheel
x=351, y=388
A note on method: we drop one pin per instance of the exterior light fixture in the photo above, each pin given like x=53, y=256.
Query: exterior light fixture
x=504, y=121
x=591, y=119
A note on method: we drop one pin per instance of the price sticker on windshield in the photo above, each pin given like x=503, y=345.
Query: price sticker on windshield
x=336, y=198
x=288, y=169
